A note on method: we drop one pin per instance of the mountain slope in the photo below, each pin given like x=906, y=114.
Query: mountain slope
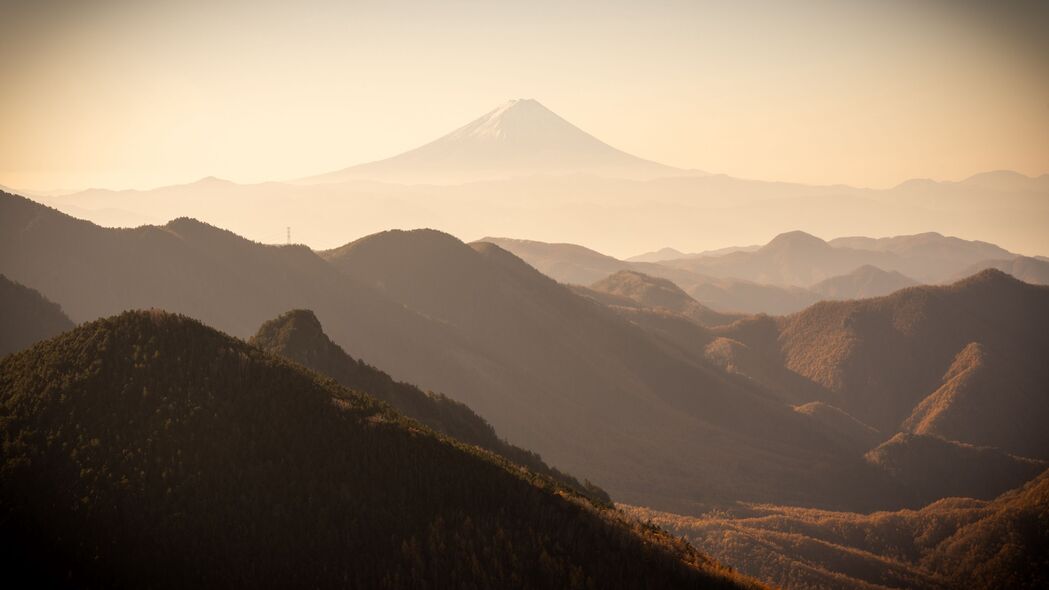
x=930, y=257
x=794, y=259
x=297, y=335
x=149, y=450
x=881, y=357
x=660, y=294
x=571, y=263
x=519, y=138
x=227, y=281
x=1025, y=268
x=983, y=400
x=26, y=317
x=565, y=263
x=952, y=543
x=666, y=253
x=931, y=468
x=595, y=393
x=866, y=281
x=553, y=372
x=849, y=429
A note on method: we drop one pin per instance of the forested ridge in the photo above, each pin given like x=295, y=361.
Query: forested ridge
x=147, y=450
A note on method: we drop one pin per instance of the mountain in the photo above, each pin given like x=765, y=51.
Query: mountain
x=951, y=543
x=878, y=359
x=297, y=336
x=658, y=255
x=931, y=468
x=553, y=372
x=729, y=295
x=653, y=407
x=566, y=263
x=983, y=400
x=866, y=281
x=930, y=245
x=234, y=284
x=519, y=138
x=26, y=317
x=930, y=257
x=598, y=394
x=793, y=270
x=610, y=214
x=793, y=259
x=1008, y=180
x=660, y=294
x=851, y=431
x=672, y=254
x=147, y=450
x=571, y=263
x=1027, y=269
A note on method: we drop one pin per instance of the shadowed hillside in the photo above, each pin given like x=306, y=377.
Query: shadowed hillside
x=880, y=358
x=851, y=432
x=983, y=400
x=149, y=450
x=930, y=468
x=26, y=317
x=297, y=335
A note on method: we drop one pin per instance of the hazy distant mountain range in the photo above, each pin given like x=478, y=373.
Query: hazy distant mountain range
x=792, y=271
x=521, y=170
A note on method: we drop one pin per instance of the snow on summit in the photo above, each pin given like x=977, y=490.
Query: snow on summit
x=519, y=138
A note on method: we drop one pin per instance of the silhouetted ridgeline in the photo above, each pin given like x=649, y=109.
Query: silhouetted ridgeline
x=148, y=450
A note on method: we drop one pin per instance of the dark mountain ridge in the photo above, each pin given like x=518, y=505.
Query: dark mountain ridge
x=149, y=450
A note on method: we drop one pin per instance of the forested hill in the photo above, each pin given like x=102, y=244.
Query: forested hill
x=147, y=450
x=298, y=335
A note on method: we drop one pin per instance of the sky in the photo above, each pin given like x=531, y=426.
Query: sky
x=122, y=94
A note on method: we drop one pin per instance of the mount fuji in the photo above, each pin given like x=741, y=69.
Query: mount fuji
x=520, y=138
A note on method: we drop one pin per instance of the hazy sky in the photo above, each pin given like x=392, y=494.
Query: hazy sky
x=140, y=94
